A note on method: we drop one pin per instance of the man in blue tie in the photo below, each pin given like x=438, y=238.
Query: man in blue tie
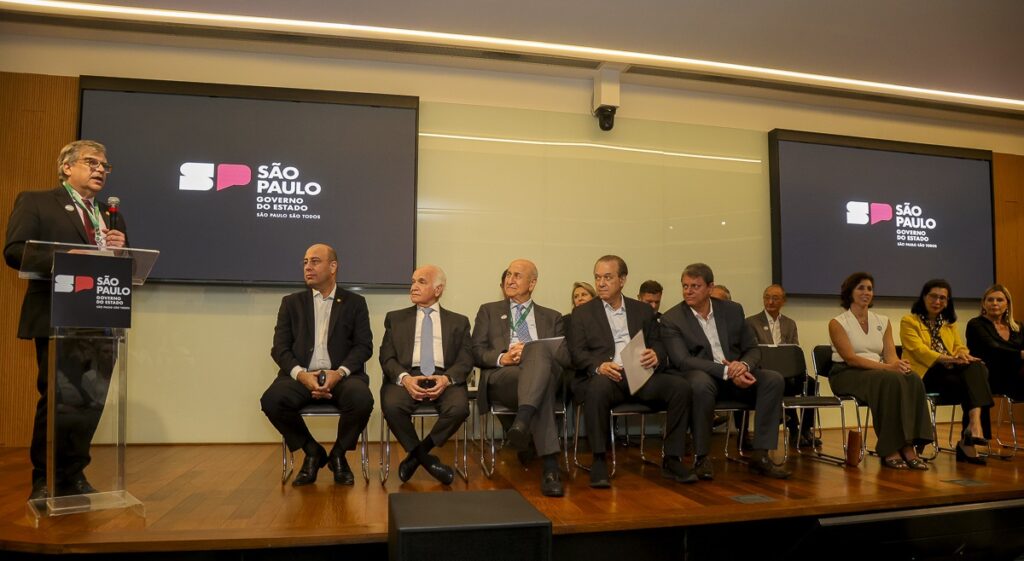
x=426, y=357
x=524, y=381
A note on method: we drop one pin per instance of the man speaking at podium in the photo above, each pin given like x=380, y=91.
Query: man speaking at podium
x=69, y=213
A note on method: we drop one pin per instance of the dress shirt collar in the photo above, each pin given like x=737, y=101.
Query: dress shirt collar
x=318, y=298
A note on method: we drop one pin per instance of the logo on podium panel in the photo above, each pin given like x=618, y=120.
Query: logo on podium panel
x=91, y=291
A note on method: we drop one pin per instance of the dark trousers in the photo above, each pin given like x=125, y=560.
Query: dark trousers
x=662, y=391
x=79, y=403
x=397, y=405
x=765, y=395
x=897, y=402
x=285, y=397
x=963, y=384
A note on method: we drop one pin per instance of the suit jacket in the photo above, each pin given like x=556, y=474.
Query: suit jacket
x=399, y=340
x=1001, y=357
x=763, y=332
x=349, y=339
x=492, y=334
x=592, y=343
x=916, y=339
x=43, y=216
x=688, y=347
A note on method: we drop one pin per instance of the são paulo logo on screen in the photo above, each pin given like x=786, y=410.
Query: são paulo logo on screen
x=281, y=192
x=913, y=228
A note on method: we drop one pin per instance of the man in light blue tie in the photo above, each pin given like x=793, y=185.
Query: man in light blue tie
x=526, y=382
x=426, y=357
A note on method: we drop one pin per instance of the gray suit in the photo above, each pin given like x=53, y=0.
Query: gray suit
x=534, y=381
x=690, y=351
x=763, y=331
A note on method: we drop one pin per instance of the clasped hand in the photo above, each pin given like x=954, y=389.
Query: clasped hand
x=309, y=379
x=739, y=374
x=425, y=388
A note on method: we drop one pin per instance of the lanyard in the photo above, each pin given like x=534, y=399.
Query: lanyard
x=94, y=214
x=522, y=317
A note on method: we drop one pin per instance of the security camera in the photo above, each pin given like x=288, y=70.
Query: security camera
x=605, y=117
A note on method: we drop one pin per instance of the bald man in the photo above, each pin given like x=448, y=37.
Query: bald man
x=426, y=356
x=321, y=341
x=523, y=381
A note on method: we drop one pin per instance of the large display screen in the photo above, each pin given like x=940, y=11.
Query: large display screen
x=233, y=183
x=906, y=213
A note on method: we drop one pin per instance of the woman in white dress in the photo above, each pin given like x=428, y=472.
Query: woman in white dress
x=866, y=367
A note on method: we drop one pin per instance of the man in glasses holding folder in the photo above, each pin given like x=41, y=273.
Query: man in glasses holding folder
x=601, y=330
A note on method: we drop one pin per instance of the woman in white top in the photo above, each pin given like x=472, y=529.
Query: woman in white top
x=866, y=367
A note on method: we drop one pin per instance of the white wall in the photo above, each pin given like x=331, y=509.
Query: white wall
x=200, y=355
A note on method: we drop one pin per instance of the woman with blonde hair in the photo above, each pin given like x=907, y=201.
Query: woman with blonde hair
x=996, y=338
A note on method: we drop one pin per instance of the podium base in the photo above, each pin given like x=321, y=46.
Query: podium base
x=75, y=504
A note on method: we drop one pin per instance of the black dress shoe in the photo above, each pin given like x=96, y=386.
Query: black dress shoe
x=599, y=475
x=342, y=473
x=39, y=490
x=518, y=436
x=441, y=472
x=702, y=467
x=673, y=468
x=75, y=485
x=551, y=485
x=808, y=440
x=408, y=467
x=763, y=465
x=310, y=466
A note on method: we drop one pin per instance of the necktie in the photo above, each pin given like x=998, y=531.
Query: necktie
x=522, y=328
x=89, y=231
x=427, y=343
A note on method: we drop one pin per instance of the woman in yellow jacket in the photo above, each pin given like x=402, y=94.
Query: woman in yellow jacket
x=936, y=352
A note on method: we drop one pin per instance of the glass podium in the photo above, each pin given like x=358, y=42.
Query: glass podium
x=87, y=375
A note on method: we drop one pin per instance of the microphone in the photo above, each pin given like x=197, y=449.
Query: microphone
x=113, y=203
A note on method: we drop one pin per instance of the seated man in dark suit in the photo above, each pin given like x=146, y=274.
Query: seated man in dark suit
x=68, y=213
x=772, y=328
x=426, y=356
x=321, y=341
x=709, y=341
x=527, y=382
x=600, y=330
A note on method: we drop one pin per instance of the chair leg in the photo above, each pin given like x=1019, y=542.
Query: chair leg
x=565, y=439
x=611, y=473
x=364, y=455
x=385, y=451
x=487, y=427
x=287, y=462
x=576, y=442
x=1013, y=444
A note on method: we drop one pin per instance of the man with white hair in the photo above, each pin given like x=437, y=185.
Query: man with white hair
x=426, y=356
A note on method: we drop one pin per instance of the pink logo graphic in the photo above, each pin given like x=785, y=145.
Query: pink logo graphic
x=858, y=212
x=231, y=175
x=199, y=176
x=880, y=212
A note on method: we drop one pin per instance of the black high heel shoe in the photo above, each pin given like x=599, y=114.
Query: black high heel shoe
x=965, y=451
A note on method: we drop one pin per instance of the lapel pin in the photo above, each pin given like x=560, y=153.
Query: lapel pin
x=765, y=327
x=504, y=317
x=69, y=208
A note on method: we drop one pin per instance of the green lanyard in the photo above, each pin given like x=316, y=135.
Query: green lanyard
x=94, y=214
x=522, y=318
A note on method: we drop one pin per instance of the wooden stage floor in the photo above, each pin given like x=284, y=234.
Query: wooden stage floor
x=229, y=497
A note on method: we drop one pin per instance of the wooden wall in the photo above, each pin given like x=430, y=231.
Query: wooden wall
x=1008, y=198
x=39, y=115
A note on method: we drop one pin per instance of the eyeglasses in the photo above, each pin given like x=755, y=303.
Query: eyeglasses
x=95, y=164
x=937, y=297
